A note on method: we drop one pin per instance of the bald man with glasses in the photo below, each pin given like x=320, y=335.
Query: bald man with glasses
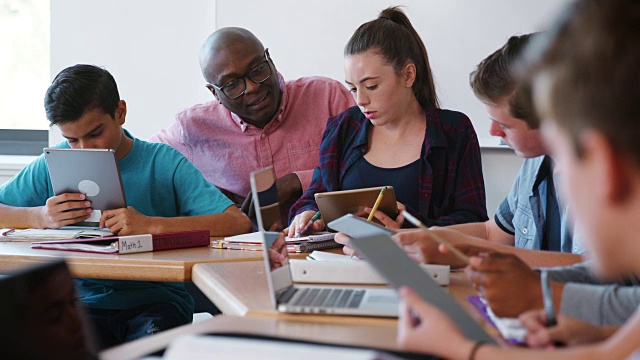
x=257, y=119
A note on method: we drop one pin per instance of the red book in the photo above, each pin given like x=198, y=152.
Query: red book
x=130, y=243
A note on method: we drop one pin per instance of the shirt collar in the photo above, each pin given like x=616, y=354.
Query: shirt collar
x=544, y=170
x=276, y=117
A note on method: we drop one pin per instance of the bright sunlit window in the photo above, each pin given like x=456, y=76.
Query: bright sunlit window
x=24, y=63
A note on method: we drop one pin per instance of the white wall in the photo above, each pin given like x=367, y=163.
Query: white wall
x=308, y=37
x=151, y=48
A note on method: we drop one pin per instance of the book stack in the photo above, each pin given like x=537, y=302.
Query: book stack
x=253, y=242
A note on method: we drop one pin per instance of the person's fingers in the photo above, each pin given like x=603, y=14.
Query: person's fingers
x=341, y=238
x=410, y=237
x=415, y=303
x=533, y=320
x=382, y=217
x=347, y=250
x=68, y=197
x=318, y=225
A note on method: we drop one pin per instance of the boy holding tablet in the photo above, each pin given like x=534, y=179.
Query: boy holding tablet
x=165, y=193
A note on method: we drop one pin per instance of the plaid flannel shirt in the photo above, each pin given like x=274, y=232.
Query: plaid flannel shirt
x=451, y=186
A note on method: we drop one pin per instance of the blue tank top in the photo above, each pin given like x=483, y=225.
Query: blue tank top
x=404, y=179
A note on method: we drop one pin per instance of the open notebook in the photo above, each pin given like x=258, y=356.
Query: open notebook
x=66, y=233
x=268, y=216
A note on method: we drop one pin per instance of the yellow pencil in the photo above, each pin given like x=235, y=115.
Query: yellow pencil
x=377, y=203
x=435, y=237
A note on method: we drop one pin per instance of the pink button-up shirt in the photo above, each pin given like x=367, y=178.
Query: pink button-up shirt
x=226, y=149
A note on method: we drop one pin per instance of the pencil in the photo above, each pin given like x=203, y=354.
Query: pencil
x=435, y=237
x=376, y=204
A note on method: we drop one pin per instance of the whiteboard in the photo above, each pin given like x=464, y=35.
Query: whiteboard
x=307, y=37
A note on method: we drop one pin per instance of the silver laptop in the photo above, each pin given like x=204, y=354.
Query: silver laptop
x=93, y=172
x=290, y=298
x=398, y=269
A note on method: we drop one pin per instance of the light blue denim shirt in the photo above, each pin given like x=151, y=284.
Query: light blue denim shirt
x=523, y=212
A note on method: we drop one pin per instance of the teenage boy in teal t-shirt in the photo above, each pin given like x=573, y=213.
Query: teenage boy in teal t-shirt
x=164, y=191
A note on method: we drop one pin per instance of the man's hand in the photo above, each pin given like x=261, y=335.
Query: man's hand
x=64, y=209
x=506, y=282
x=568, y=331
x=128, y=221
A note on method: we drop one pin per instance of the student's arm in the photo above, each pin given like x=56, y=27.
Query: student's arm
x=487, y=230
x=436, y=334
x=128, y=221
x=425, y=250
x=600, y=304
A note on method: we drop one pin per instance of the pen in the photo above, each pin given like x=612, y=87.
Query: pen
x=307, y=226
x=410, y=218
x=547, y=299
x=376, y=204
x=7, y=232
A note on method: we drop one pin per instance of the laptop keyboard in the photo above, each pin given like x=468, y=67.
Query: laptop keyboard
x=339, y=298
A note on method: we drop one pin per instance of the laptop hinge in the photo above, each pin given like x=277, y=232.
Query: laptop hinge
x=283, y=297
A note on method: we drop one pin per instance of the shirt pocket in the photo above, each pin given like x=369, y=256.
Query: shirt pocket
x=525, y=228
x=304, y=155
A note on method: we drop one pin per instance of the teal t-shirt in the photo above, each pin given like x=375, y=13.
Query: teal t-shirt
x=158, y=181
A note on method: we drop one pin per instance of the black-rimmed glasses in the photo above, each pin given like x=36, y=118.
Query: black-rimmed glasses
x=258, y=74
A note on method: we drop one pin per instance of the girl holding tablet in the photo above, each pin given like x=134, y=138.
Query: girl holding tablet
x=397, y=135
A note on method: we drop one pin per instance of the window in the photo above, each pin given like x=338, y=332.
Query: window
x=24, y=76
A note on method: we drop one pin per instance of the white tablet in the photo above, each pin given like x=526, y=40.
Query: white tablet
x=93, y=172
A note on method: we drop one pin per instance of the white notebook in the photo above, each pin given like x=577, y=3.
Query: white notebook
x=52, y=234
x=203, y=347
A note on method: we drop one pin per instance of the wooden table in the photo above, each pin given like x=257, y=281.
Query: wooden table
x=241, y=289
x=169, y=265
x=382, y=337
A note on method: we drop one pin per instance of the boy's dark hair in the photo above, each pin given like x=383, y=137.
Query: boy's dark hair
x=78, y=89
x=493, y=80
x=585, y=70
x=393, y=36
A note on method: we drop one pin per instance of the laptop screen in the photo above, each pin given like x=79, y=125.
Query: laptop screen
x=265, y=195
x=41, y=317
x=276, y=258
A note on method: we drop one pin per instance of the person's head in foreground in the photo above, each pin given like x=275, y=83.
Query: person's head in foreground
x=42, y=318
x=507, y=100
x=586, y=85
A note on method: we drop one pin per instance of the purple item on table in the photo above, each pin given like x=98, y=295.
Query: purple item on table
x=481, y=307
